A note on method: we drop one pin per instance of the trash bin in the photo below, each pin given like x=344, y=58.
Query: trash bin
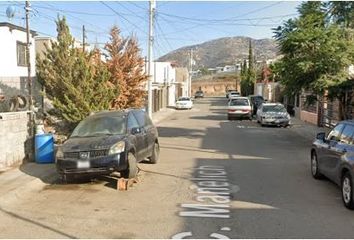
x=44, y=148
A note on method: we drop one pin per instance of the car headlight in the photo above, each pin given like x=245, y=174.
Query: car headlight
x=119, y=147
x=59, y=153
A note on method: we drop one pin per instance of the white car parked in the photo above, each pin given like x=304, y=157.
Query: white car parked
x=239, y=107
x=233, y=94
x=273, y=114
x=184, y=103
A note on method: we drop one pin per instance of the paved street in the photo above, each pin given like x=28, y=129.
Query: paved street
x=261, y=175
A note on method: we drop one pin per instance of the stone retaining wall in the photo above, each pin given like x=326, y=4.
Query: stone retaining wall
x=13, y=138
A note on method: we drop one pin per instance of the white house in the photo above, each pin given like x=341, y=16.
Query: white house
x=229, y=68
x=165, y=78
x=13, y=59
x=14, y=140
x=163, y=85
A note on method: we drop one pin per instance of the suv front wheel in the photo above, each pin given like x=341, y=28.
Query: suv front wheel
x=347, y=190
x=314, y=167
x=155, y=153
x=132, y=169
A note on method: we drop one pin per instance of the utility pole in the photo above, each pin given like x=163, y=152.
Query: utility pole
x=150, y=55
x=83, y=38
x=190, y=72
x=29, y=79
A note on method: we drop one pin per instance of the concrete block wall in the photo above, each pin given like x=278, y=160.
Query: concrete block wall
x=309, y=117
x=13, y=138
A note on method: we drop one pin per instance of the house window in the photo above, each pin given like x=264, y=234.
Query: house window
x=21, y=54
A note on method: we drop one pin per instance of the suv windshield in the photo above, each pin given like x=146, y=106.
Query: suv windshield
x=97, y=126
x=183, y=99
x=274, y=108
x=257, y=99
x=239, y=102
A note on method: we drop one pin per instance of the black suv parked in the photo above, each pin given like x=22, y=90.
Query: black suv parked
x=109, y=141
x=256, y=101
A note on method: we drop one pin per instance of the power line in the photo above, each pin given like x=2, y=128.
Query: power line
x=227, y=20
x=53, y=8
x=136, y=5
x=171, y=23
x=78, y=12
x=118, y=14
x=133, y=13
x=163, y=35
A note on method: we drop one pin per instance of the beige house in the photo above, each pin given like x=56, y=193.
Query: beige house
x=182, y=76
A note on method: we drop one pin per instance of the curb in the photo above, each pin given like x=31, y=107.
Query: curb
x=162, y=115
x=307, y=130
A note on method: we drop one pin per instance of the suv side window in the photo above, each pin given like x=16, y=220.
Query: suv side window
x=335, y=133
x=140, y=116
x=347, y=134
x=132, y=122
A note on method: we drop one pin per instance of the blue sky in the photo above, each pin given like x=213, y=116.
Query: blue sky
x=177, y=23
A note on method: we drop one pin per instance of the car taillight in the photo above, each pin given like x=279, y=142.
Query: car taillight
x=232, y=110
x=245, y=110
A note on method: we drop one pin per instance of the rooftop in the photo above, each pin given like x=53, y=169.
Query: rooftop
x=19, y=28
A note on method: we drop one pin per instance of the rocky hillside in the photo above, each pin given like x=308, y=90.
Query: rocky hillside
x=223, y=51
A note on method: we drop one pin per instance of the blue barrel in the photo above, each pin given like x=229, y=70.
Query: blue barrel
x=44, y=148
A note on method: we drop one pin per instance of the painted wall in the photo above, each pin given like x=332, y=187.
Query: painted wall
x=8, y=53
x=164, y=73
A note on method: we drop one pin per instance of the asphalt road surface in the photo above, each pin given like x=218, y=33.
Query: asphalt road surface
x=215, y=179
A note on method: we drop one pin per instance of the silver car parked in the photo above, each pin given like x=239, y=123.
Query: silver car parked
x=273, y=114
x=333, y=157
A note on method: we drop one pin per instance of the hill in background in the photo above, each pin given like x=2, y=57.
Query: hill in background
x=222, y=51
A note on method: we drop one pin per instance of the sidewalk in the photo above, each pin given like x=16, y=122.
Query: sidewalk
x=306, y=130
x=157, y=117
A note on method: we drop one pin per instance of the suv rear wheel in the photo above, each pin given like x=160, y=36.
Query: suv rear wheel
x=132, y=169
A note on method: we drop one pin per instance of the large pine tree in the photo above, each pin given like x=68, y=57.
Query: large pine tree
x=76, y=81
x=127, y=70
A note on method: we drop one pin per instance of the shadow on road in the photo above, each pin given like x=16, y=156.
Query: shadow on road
x=45, y=172
x=180, y=132
x=31, y=221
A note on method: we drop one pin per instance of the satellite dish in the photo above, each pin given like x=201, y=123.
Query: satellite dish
x=10, y=11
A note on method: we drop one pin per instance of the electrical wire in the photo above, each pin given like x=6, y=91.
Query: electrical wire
x=163, y=35
x=52, y=8
x=118, y=14
x=133, y=13
x=136, y=5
